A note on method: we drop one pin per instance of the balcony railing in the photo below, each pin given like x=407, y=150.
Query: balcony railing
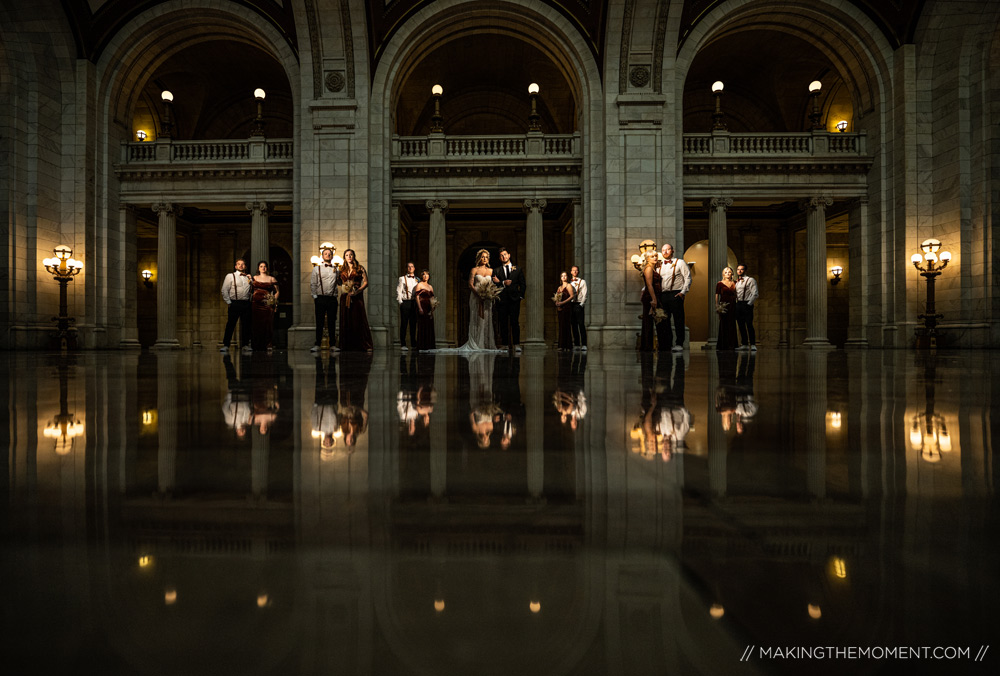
x=491, y=147
x=794, y=145
x=252, y=150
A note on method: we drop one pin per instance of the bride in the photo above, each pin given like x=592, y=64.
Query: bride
x=482, y=295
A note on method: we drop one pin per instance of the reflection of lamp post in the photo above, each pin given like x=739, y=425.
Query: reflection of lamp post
x=929, y=434
x=534, y=120
x=718, y=121
x=63, y=268
x=437, y=122
x=257, y=129
x=167, y=128
x=645, y=246
x=814, y=89
x=930, y=248
x=63, y=428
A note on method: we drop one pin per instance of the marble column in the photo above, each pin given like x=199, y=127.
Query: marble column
x=128, y=256
x=718, y=250
x=857, y=264
x=534, y=423
x=816, y=284
x=438, y=265
x=260, y=243
x=166, y=271
x=535, y=272
x=168, y=422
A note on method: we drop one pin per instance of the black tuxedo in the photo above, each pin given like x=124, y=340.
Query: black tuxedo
x=509, y=303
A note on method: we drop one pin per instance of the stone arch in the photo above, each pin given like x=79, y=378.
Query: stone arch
x=429, y=28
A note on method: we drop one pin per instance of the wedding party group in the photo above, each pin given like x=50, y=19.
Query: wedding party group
x=667, y=280
x=337, y=290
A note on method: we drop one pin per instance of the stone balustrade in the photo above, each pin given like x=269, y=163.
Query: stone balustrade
x=167, y=151
x=806, y=144
x=486, y=147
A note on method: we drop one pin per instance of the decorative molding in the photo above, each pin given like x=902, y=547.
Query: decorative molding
x=315, y=49
x=345, y=23
x=166, y=208
x=533, y=204
x=262, y=207
x=716, y=203
x=335, y=81
x=157, y=174
x=429, y=170
x=626, y=46
x=433, y=205
x=639, y=76
x=736, y=166
x=659, y=43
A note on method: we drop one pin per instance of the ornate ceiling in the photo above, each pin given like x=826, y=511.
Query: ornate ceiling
x=94, y=22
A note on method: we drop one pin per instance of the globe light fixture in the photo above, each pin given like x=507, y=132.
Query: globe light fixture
x=842, y=126
x=257, y=128
x=814, y=90
x=718, y=119
x=437, y=122
x=64, y=268
x=167, y=127
x=930, y=271
x=534, y=120
x=836, y=271
x=141, y=135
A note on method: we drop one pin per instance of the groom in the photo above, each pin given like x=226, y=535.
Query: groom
x=511, y=282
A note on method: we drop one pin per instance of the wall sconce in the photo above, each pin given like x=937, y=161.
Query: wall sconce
x=836, y=271
x=147, y=276
x=645, y=246
x=167, y=127
x=718, y=120
x=842, y=126
x=63, y=267
x=930, y=247
x=437, y=122
x=814, y=89
x=141, y=135
x=257, y=129
x=534, y=120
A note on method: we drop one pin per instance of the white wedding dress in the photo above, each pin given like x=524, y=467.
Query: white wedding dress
x=480, y=329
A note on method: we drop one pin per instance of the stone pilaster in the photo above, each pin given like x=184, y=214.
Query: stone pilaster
x=816, y=284
x=535, y=272
x=166, y=271
x=718, y=249
x=260, y=243
x=127, y=296
x=857, y=261
x=438, y=265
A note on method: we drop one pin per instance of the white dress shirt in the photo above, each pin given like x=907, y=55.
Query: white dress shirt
x=323, y=281
x=580, y=287
x=675, y=275
x=236, y=286
x=404, y=288
x=746, y=289
x=675, y=423
x=324, y=419
x=236, y=412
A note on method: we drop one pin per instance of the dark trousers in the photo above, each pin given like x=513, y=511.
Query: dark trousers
x=744, y=322
x=674, y=308
x=326, y=306
x=239, y=311
x=408, y=317
x=577, y=325
x=507, y=314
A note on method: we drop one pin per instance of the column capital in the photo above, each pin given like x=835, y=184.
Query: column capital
x=166, y=208
x=262, y=206
x=713, y=203
x=433, y=205
x=813, y=203
x=532, y=204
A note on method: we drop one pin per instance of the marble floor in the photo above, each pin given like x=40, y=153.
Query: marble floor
x=550, y=513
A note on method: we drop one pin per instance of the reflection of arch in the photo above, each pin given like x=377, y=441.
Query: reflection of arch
x=427, y=29
x=467, y=261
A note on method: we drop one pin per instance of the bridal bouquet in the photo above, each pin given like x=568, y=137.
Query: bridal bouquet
x=556, y=297
x=434, y=304
x=271, y=301
x=722, y=308
x=657, y=314
x=486, y=290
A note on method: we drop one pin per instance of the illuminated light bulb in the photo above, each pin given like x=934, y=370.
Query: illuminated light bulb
x=718, y=86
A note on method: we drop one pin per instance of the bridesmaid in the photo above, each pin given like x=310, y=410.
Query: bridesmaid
x=355, y=334
x=564, y=294
x=725, y=306
x=423, y=292
x=651, y=283
x=262, y=306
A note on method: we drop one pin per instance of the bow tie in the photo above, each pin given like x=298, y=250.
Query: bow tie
x=410, y=276
x=327, y=265
x=667, y=260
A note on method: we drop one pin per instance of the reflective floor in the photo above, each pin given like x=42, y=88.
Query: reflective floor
x=551, y=513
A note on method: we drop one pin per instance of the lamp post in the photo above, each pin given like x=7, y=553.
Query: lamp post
x=718, y=121
x=64, y=268
x=814, y=89
x=534, y=120
x=167, y=128
x=257, y=129
x=930, y=272
x=437, y=122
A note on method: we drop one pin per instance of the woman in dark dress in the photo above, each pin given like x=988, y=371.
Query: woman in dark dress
x=725, y=306
x=355, y=334
x=423, y=292
x=564, y=294
x=262, y=306
x=651, y=284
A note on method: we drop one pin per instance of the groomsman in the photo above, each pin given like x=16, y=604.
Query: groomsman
x=675, y=282
x=577, y=327
x=746, y=296
x=407, y=306
x=323, y=284
x=508, y=276
x=236, y=291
